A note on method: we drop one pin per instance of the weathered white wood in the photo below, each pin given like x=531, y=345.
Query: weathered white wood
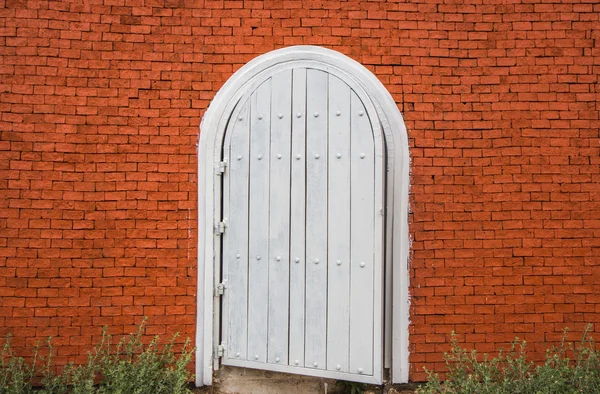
x=279, y=214
x=338, y=193
x=362, y=245
x=297, y=219
x=211, y=137
x=235, y=238
x=379, y=241
x=316, y=220
x=258, y=242
x=322, y=373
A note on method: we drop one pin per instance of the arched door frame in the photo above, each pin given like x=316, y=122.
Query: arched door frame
x=212, y=134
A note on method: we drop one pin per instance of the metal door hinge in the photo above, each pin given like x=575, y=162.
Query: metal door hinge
x=220, y=227
x=220, y=350
x=220, y=167
x=220, y=289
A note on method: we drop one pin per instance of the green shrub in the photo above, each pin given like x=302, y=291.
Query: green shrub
x=128, y=367
x=569, y=368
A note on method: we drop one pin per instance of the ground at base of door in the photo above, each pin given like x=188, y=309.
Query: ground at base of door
x=232, y=380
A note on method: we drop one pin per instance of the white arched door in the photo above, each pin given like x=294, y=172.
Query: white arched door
x=302, y=232
x=294, y=267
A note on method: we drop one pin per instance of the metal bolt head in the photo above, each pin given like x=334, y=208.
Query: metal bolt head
x=298, y=115
x=279, y=156
x=317, y=156
x=316, y=114
x=259, y=117
x=361, y=113
x=315, y=364
x=259, y=157
x=362, y=264
x=240, y=118
x=280, y=116
x=360, y=370
x=338, y=113
x=298, y=157
x=257, y=257
x=362, y=155
x=237, y=354
x=297, y=260
x=339, y=262
x=276, y=359
x=278, y=258
x=296, y=362
x=256, y=356
x=316, y=261
x=338, y=367
x=339, y=155
x=239, y=157
x=237, y=256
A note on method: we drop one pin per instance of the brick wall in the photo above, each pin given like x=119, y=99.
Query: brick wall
x=100, y=103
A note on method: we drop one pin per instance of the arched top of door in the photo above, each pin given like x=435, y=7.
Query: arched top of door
x=359, y=78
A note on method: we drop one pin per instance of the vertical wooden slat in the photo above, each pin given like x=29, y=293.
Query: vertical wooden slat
x=258, y=242
x=338, y=248
x=235, y=239
x=297, y=219
x=279, y=227
x=316, y=219
x=379, y=244
x=362, y=241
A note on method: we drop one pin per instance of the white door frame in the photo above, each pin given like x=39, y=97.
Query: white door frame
x=212, y=132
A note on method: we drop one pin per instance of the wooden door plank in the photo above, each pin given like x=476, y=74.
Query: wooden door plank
x=338, y=194
x=316, y=220
x=235, y=239
x=297, y=219
x=258, y=237
x=279, y=213
x=362, y=245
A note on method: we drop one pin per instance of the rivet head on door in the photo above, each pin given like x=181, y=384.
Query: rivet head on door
x=239, y=157
x=361, y=113
x=259, y=117
x=339, y=262
x=256, y=356
x=296, y=362
x=315, y=364
x=316, y=114
x=280, y=116
x=316, y=261
x=240, y=118
x=338, y=113
x=257, y=257
x=338, y=367
x=362, y=155
x=237, y=256
x=298, y=115
x=237, y=354
x=276, y=359
x=360, y=370
x=298, y=157
x=259, y=157
x=317, y=156
x=279, y=156
x=362, y=264
x=278, y=258
x=297, y=260
x=339, y=155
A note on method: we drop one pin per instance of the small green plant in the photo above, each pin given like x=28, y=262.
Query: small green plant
x=351, y=387
x=15, y=374
x=127, y=367
x=568, y=369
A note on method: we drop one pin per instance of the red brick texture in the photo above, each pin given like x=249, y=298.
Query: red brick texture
x=100, y=104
